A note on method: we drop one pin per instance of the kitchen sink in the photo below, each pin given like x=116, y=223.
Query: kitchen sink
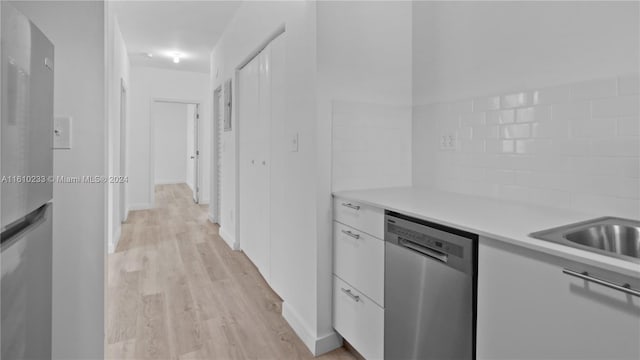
x=610, y=236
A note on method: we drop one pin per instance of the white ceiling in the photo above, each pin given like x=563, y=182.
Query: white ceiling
x=163, y=27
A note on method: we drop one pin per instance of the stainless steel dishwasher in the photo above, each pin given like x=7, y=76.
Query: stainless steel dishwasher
x=430, y=290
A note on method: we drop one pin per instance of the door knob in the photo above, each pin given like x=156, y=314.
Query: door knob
x=193, y=157
x=264, y=162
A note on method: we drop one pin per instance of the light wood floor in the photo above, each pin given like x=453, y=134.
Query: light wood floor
x=177, y=291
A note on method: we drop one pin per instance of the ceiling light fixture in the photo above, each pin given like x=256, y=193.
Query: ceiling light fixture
x=176, y=58
x=149, y=55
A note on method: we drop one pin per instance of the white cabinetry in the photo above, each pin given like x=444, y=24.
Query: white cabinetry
x=529, y=309
x=358, y=269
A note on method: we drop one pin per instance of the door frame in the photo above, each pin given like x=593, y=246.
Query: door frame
x=123, y=211
x=196, y=158
x=152, y=142
x=216, y=163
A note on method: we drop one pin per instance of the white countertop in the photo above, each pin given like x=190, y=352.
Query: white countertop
x=506, y=221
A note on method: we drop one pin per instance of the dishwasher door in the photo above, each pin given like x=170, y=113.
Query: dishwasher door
x=429, y=293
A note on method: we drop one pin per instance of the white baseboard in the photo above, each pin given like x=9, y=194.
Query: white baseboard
x=317, y=345
x=211, y=218
x=230, y=240
x=140, y=206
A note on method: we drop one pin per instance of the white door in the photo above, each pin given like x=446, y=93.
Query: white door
x=196, y=155
x=263, y=147
x=249, y=160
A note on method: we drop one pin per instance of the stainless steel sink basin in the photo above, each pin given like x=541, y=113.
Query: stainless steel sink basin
x=608, y=236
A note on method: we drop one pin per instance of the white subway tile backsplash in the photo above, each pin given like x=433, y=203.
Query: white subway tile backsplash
x=496, y=146
x=474, y=118
x=594, y=89
x=500, y=117
x=550, y=129
x=534, y=146
x=536, y=113
x=552, y=95
x=461, y=107
x=472, y=145
x=615, y=107
x=515, y=100
x=575, y=111
x=603, y=165
x=465, y=132
x=550, y=197
x=616, y=147
x=629, y=84
x=613, y=206
x=485, y=103
x=525, y=115
x=607, y=186
x=547, y=180
x=629, y=126
x=593, y=128
x=514, y=192
x=574, y=145
x=501, y=177
x=515, y=131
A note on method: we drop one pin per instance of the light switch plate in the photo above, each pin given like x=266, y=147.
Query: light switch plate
x=62, y=132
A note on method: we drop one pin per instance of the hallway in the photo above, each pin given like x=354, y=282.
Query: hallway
x=177, y=291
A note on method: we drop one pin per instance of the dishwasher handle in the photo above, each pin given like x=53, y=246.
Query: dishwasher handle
x=424, y=250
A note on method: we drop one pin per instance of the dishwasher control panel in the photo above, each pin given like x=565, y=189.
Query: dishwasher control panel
x=453, y=247
x=424, y=239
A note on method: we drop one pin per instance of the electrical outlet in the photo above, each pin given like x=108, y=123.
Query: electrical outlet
x=448, y=141
x=451, y=142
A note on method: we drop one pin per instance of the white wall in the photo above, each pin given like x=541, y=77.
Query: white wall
x=118, y=68
x=190, y=145
x=545, y=113
x=371, y=146
x=467, y=49
x=170, y=126
x=152, y=83
x=77, y=30
x=295, y=202
x=364, y=66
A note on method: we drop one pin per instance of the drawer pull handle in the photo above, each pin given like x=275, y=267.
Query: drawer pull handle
x=355, y=298
x=350, y=205
x=625, y=288
x=348, y=232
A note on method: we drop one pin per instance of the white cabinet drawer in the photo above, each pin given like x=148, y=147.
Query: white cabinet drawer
x=358, y=319
x=358, y=258
x=362, y=217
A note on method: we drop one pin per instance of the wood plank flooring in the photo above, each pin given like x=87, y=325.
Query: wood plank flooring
x=177, y=291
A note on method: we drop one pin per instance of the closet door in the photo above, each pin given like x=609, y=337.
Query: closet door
x=248, y=120
x=263, y=145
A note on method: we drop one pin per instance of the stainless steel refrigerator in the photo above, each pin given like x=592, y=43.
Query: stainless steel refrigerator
x=26, y=190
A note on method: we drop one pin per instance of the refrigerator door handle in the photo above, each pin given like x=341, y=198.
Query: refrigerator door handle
x=23, y=225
